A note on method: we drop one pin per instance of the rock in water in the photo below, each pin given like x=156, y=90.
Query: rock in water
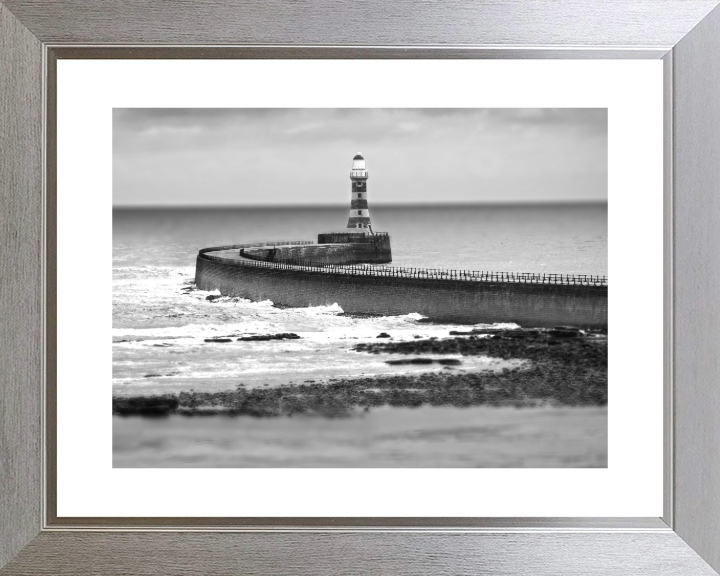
x=563, y=333
x=145, y=405
x=449, y=362
x=261, y=337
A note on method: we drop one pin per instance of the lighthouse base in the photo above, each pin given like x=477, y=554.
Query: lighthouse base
x=360, y=246
x=332, y=248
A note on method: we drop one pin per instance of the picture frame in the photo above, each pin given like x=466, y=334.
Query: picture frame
x=684, y=34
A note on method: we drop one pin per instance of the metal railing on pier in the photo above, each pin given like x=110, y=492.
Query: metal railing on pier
x=275, y=243
x=443, y=274
x=403, y=271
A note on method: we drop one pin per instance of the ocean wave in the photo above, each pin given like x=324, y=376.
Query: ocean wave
x=415, y=316
x=312, y=329
x=331, y=310
x=193, y=330
x=152, y=272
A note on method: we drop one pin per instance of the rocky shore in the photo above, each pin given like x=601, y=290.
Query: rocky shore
x=566, y=367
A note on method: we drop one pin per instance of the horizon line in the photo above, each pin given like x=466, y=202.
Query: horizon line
x=375, y=204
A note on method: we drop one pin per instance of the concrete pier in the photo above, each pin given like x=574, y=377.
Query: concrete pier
x=450, y=299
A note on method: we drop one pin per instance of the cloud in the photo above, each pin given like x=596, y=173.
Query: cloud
x=291, y=156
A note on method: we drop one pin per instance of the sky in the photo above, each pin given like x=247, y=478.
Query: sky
x=272, y=156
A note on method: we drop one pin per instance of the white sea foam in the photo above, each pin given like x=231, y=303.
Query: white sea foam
x=331, y=310
x=498, y=326
x=415, y=316
x=161, y=323
x=192, y=330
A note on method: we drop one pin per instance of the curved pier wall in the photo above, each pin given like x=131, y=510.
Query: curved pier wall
x=322, y=253
x=457, y=301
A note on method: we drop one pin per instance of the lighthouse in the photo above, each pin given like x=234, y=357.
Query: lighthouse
x=359, y=213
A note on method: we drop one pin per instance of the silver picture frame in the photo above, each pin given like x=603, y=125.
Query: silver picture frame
x=684, y=34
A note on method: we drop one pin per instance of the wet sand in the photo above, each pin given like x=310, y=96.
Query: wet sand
x=437, y=437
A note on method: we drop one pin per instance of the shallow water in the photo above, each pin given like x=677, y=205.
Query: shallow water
x=159, y=334
x=478, y=437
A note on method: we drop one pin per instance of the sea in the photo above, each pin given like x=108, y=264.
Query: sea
x=160, y=324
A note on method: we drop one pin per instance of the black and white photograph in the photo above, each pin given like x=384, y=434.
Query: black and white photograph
x=360, y=288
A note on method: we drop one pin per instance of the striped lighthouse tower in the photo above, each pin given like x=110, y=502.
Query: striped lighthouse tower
x=359, y=213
